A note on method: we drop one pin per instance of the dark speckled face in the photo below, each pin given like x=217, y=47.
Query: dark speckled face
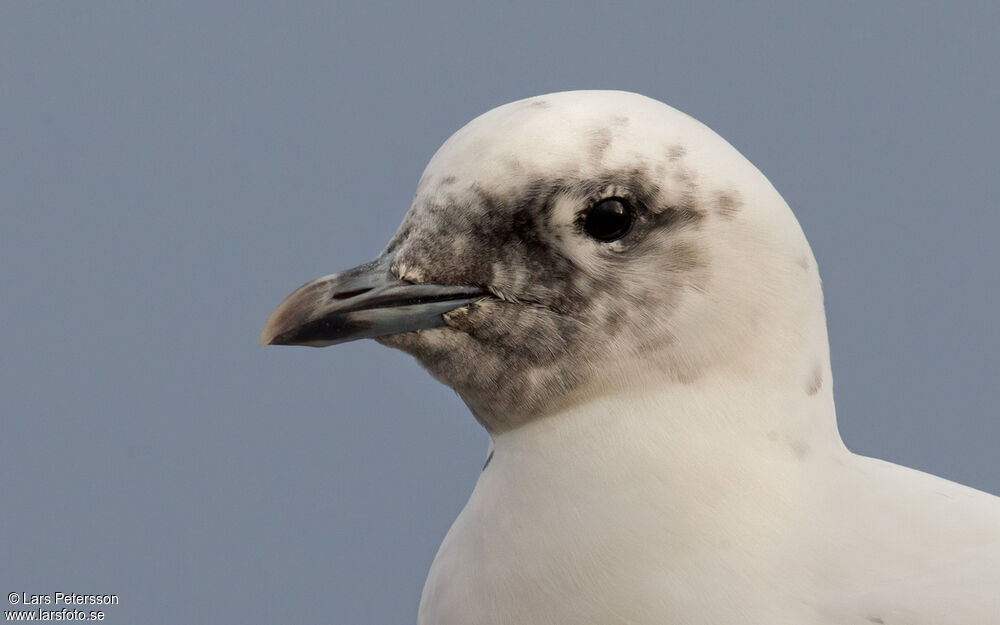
x=575, y=244
x=553, y=315
x=503, y=206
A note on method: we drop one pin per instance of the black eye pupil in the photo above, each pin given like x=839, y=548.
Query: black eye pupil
x=608, y=220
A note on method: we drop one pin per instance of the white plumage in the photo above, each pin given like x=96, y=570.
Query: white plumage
x=664, y=442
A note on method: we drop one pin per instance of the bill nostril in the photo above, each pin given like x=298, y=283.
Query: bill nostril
x=350, y=294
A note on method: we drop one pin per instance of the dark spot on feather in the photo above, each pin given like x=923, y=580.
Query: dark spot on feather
x=729, y=204
x=799, y=448
x=685, y=256
x=489, y=459
x=877, y=620
x=516, y=168
x=676, y=153
x=683, y=178
x=600, y=141
x=815, y=380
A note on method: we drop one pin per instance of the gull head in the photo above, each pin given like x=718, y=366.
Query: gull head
x=577, y=244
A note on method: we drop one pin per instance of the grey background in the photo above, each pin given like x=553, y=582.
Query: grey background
x=169, y=172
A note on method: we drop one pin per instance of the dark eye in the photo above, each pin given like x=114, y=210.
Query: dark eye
x=608, y=220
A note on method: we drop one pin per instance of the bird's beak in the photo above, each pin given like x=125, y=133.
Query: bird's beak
x=360, y=303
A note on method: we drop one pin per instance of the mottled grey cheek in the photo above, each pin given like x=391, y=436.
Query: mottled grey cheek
x=531, y=336
x=553, y=324
x=505, y=377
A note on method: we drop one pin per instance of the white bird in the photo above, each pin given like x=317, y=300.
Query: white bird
x=632, y=311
